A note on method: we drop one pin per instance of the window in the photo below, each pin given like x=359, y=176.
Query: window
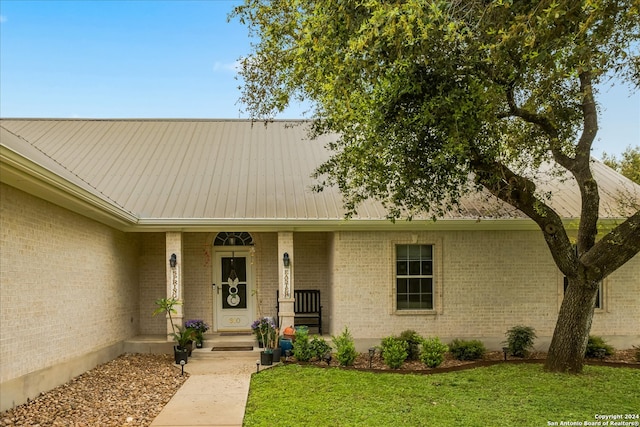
x=414, y=277
x=598, y=295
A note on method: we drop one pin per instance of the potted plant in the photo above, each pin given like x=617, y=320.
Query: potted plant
x=264, y=329
x=184, y=337
x=167, y=305
x=261, y=328
x=199, y=327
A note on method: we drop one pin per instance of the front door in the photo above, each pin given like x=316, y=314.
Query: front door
x=234, y=306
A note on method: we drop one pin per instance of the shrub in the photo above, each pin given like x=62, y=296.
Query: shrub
x=467, y=350
x=345, y=348
x=319, y=347
x=394, y=351
x=433, y=351
x=520, y=340
x=595, y=344
x=413, y=341
x=301, y=346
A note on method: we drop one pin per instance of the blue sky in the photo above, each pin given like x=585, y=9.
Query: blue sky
x=161, y=59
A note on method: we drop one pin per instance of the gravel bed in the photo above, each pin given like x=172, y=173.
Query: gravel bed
x=128, y=391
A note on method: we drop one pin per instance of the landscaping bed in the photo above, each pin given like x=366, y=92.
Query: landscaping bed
x=129, y=390
x=623, y=358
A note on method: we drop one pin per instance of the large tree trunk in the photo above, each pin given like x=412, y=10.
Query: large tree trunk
x=569, y=343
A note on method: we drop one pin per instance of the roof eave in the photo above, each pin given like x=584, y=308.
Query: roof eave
x=25, y=175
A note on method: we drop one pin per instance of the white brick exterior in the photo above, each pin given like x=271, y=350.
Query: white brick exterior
x=69, y=290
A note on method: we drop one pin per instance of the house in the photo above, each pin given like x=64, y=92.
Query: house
x=93, y=211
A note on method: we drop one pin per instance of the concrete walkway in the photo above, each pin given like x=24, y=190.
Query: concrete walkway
x=215, y=393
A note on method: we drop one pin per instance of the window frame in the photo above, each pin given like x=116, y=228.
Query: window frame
x=433, y=276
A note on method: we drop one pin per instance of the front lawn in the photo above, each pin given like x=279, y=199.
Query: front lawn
x=499, y=395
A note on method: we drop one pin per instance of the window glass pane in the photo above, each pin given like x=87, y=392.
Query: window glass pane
x=426, y=251
x=414, y=252
x=414, y=286
x=401, y=268
x=414, y=268
x=402, y=252
x=426, y=286
x=402, y=286
x=427, y=268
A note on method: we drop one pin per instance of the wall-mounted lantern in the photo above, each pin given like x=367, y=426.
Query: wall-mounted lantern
x=285, y=259
x=173, y=261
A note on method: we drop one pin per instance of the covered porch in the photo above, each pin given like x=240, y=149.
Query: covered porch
x=228, y=279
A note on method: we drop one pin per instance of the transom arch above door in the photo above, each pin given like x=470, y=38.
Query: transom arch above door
x=233, y=238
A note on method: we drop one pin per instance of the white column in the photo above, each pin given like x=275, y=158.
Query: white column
x=173, y=246
x=286, y=279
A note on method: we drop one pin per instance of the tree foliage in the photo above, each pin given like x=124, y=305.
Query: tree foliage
x=426, y=94
x=628, y=165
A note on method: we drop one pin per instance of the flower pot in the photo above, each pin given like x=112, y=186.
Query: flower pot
x=277, y=354
x=285, y=344
x=180, y=354
x=199, y=344
x=266, y=358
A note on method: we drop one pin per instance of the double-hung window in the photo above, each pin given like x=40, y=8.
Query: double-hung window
x=414, y=277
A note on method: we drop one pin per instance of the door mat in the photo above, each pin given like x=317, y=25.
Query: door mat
x=233, y=348
x=231, y=334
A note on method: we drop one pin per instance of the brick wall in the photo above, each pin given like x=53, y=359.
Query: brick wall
x=486, y=282
x=69, y=285
x=152, y=282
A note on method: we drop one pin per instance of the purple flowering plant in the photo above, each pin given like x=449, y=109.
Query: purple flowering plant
x=199, y=326
x=264, y=328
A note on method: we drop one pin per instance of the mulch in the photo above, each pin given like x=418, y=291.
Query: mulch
x=620, y=359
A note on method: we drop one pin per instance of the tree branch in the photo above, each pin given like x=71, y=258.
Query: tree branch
x=519, y=191
x=616, y=248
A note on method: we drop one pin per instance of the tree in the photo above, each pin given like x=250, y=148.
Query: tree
x=431, y=99
x=628, y=166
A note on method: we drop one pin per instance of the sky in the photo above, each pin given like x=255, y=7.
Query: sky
x=163, y=59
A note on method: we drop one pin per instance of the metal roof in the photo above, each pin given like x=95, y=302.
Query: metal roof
x=187, y=172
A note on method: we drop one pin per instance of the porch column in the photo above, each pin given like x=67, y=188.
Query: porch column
x=173, y=245
x=285, y=279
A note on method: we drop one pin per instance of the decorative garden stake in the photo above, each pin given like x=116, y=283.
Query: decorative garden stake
x=372, y=352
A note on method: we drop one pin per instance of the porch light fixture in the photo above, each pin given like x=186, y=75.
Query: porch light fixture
x=285, y=259
x=232, y=239
x=372, y=352
x=173, y=261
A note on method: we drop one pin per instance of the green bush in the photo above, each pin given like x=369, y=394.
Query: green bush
x=467, y=350
x=433, y=351
x=319, y=347
x=302, y=346
x=413, y=339
x=595, y=344
x=394, y=351
x=520, y=340
x=345, y=348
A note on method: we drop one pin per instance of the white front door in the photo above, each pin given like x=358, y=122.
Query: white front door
x=234, y=300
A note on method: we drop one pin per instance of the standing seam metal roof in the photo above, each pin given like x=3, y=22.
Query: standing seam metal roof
x=230, y=169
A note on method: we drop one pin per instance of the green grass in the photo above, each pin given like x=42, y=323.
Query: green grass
x=499, y=395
